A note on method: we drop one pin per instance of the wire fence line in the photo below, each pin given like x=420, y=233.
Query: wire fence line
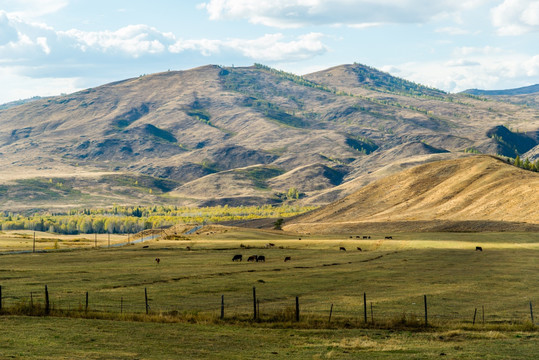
x=261, y=307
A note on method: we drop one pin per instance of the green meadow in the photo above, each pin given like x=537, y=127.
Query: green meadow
x=196, y=272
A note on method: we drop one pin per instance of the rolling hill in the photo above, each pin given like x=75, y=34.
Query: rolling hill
x=473, y=193
x=518, y=91
x=233, y=135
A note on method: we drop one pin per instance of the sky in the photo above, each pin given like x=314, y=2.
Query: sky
x=49, y=47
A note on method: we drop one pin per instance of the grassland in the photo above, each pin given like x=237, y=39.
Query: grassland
x=185, y=292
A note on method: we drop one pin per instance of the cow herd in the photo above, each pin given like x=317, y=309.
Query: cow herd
x=262, y=258
x=255, y=258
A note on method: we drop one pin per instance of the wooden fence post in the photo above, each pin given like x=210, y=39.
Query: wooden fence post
x=531, y=311
x=474, y=313
x=254, y=303
x=330, y=312
x=95, y=241
x=109, y=239
x=146, y=300
x=365, y=307
x=121, y=305
x=0, y=297
x=372, y=315
x=425, y=300
x=34, y=246
x=222, y=307
x=483, y=313
x=297, y=308
x=86, y=308
x=47, y=304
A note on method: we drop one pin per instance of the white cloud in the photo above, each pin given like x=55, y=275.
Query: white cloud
x=462, y=62
x=28, y=87
x=472, y=50
x=132, y=40
x=41, y=51
x=297, y=13
x=7, y=32
x=475, y=68
x=452, y=31
x=270, y=47
x=31, y=9
x=516, y=17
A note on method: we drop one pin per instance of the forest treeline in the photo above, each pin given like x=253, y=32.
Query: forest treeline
x=132, y=219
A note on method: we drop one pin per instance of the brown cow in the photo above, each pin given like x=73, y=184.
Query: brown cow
x=252, y=258
x=157, y=260
x=237, y=258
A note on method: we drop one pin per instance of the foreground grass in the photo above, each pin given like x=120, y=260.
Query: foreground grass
x=60, y=338
x=185, y=291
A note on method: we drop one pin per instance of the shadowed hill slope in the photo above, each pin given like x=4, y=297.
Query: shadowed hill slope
x=478, y=188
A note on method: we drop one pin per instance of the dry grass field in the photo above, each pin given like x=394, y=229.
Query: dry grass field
x=185, y=289
x=23, y=240
x=480, y=188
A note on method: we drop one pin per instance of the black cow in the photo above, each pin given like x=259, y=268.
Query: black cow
x=389, y=237
x=252, y=258
x=157, y=260
x=288, y=258
x=359, y=249
x=237, y=258
x=261, y=258
x=342, y=249
x=478, y=248
x=364, y=237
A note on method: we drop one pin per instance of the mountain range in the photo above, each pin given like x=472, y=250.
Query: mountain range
x=218, y=135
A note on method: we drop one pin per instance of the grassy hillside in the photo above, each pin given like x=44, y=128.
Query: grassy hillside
x=479, y=188
x=195, y=128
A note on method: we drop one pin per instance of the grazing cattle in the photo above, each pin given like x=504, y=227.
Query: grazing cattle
x=261, y=258
x=146, y=246
x=364, y=237
x=342, y=249
x=157, y=260
x=188, y=248
x=237, y=258
x=358, y=237
x=359, y=249
x=288, y=258
x=389, y=237
x=478, y=248
x=252, y=258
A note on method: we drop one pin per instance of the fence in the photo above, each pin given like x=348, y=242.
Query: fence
x=257, y=307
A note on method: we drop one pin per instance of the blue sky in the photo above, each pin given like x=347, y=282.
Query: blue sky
x=48, y=47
